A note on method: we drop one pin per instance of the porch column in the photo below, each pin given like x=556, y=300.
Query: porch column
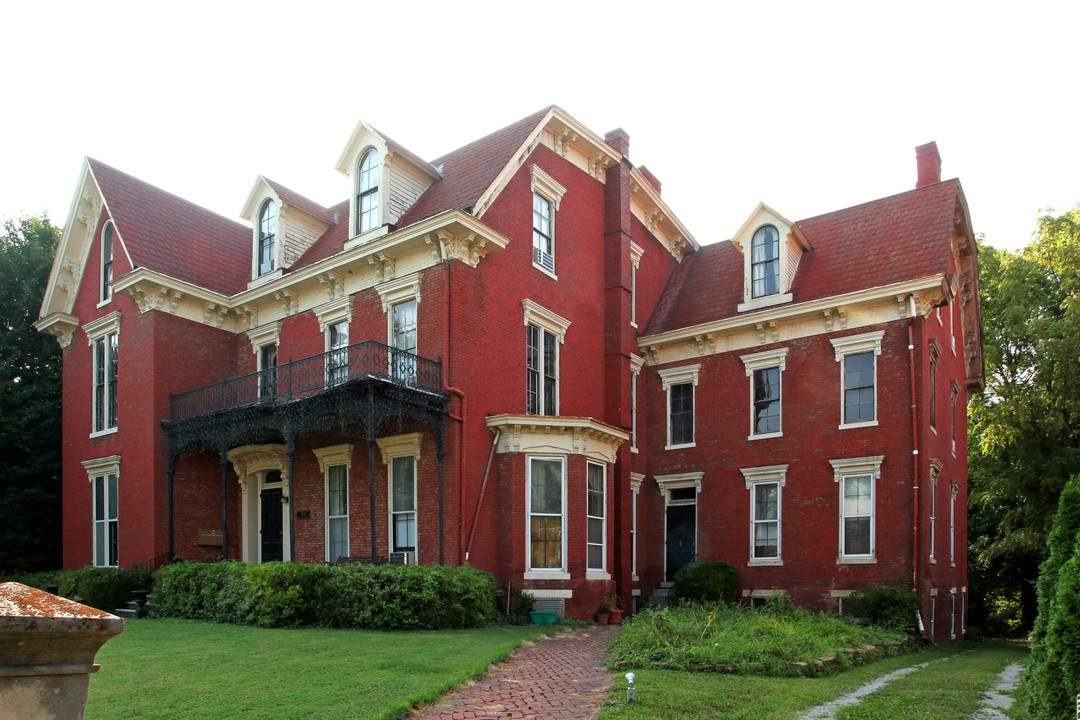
x=290, y=448
x=224, y=504
x=442, y=538
x=371, y=491
x=170, y=473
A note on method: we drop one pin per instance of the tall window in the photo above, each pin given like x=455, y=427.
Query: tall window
x=403, y=336
x=337, y=512
x=268, y=370
x=542, y=366
x=106, y=262
x=859, y=405
x=766, y=401
x=765, y=261
x=596, y=515
x=106, y=525
x=933, y=515
x=954, y=488
x=633, y=410
x=935, y=353
x=857, y=355
x=105, y=370
x=543, y=237
x=766, y=520
x=403, y=503
x=267, y=236
x=367, y=192
x=337, y=358
x=858, y=515
x=681, y=413
x=546, y=489
x=955, y=393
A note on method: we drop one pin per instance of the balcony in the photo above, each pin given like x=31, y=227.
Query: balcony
x=333, y=372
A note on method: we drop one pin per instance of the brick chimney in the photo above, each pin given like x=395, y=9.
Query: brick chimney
x=618, y=139
x=929, y=164
x=650, y=177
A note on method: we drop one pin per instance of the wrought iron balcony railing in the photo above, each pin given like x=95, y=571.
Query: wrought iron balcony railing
x=366, y=360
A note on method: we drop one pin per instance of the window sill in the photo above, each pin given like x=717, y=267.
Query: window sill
x=103, y=433
x=597, y=575
x=933, y=429
x=544, y=270
x=683, y=446
x=849, y=426
x=771, y=562
x=764, y=302
x=856, y=561
x=265, y=278
x=933, y=560
x=366, y=237
x=546, y=575
x=766, y=436
x=103, y=303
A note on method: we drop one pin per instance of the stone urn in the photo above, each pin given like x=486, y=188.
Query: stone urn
x=47, y=649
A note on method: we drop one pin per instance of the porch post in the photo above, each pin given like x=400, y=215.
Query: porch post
x=371, y=491
x=442, y=538
x=169, y=473
x=224, y=505
x=290, y=448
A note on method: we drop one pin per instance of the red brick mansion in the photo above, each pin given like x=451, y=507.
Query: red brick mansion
x=517, y=356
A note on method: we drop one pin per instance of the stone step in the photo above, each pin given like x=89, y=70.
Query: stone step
x=125, y=613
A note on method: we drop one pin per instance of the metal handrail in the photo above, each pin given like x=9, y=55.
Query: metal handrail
x=307, y=376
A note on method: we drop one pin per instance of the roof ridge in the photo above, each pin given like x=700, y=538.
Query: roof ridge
x=880, y=199
x=534, y=117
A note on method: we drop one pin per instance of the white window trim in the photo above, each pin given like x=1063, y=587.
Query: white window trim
x=544, y=573
x=935, y=470
x=400, y=290
x=954, y=490
x=333, y=312
x=102, y=467
x=761, y=475
x=776, y=358
x=635, y=488
x=329, y=457
x=268, y=334
x=636, y=252
x=853, y=345
x=397, y=446
x=867, y=465
x=548, y=188
x=636, y=363
x=380, y=227
x=686, y=374
x=279, y=240
x=97, y=330
x=542, y=318
x=102, y=302
x=600, y=573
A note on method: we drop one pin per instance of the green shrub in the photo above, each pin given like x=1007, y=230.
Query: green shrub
x=39, y=580
x=288, y=594
x=884, y=607
x=105, y=588
x=524, y=603
x=706, y=581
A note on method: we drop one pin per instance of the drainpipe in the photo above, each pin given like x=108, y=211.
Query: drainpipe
x=480, y=500
x=447, y=388
x=914, y=448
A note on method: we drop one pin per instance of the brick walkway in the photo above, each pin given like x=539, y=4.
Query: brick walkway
x=561, y=676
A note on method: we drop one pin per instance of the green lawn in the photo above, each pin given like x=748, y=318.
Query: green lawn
x=945, y=690
x=201, y=671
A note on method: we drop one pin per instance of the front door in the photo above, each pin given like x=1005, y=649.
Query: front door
x=681, y=538
x=271, y=525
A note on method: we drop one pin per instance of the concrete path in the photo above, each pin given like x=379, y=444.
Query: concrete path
x=560, y=676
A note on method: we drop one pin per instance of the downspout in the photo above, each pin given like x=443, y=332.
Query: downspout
x=447, y=388
x=914, y=448
x=480, y=500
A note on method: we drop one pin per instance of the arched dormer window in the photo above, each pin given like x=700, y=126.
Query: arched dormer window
x=267, y=235
x=367, y=191
x=107, y=262
x=765, y=261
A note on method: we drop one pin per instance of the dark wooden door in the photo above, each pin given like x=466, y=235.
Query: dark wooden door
x=681, y=538
x=271, y=525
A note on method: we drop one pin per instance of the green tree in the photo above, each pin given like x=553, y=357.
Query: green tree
x=1024, y=439
x=1043, y=684
x=30, y=384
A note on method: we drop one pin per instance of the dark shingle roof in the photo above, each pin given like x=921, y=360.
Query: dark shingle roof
x=886, y=241
x=165, y=233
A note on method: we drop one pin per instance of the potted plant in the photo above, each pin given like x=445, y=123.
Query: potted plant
x=614, y=602
x=603, y=614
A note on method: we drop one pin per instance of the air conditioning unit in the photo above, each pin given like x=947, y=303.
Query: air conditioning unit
x=402, y=558
x=544, y=259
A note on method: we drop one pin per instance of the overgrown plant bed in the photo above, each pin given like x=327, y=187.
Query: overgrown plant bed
x=780, y=640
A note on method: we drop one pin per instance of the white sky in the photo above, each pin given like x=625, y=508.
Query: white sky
x=809, y=107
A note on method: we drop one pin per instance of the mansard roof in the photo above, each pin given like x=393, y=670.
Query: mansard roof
x=875, y=244
x=173, y=236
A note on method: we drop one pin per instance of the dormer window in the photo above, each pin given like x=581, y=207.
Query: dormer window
x=367, y=192
x=107, y=262
x=267, y=237
x=765, y=261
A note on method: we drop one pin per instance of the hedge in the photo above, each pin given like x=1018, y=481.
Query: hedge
x=383, y=597
x=706, y=581
x=887, y=607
